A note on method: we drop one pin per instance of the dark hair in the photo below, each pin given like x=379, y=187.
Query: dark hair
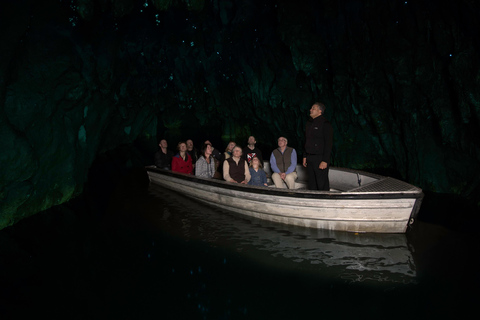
x=321, y=106
x=204, y=148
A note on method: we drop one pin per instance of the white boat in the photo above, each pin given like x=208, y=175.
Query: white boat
x=357, y=201
x=352, y=257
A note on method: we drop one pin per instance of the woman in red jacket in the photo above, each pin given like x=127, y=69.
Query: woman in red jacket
x=182, y=162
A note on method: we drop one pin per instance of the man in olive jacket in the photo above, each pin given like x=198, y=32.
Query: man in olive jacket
x=318, y=147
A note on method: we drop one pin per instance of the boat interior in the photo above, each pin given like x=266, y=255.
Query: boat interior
x=349, y=180
x=343, y=180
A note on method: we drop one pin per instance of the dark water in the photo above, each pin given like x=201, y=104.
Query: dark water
x=148, y=253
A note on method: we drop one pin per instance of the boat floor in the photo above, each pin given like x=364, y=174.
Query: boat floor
x=386, y=184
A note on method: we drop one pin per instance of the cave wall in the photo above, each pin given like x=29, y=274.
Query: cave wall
x=400, y=79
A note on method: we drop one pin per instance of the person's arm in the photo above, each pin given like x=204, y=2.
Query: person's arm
x=247, y=172
x=293, y=164
x=226, y=169
x=273, y=164
x=216, y=154
x=305, y=146
x=263, y=177
x=250, y=170
x=328, y=134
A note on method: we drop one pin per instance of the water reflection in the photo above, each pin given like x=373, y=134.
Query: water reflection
x=348, y=256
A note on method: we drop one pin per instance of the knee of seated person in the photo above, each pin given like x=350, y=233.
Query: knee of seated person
x=290, y=181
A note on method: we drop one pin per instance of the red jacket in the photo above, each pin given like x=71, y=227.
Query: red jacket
x=179, y=165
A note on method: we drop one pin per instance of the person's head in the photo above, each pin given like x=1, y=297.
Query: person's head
x=189, y=144
x=163, y=143
x=181, y=146
x=317, y=109
x=282, y=142
x=237, y=152
x=230, y=146
x=206, y=150
x=251, y=140
x=255, y=163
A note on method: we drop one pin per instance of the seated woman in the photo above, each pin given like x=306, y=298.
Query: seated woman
x=182, y=162
x=205, y=165
x=259, y=178
x=228, y=150
x=235, y=169
x=227, y=154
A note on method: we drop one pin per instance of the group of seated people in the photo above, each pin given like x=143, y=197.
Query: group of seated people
x=235, y=165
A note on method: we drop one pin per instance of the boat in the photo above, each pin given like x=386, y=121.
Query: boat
x=348, y=257
x=358, y=201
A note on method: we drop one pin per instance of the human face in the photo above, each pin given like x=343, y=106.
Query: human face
x=231, y=145
x=182, y=147
x=251, y=140
x=282, y=142
x=189, y=144
x=315, y=111
x=237, y=152
x=208, y=150
x=255, y=162
x=163, y=143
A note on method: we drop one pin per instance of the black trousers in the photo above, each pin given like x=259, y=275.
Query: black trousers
x=317, y=178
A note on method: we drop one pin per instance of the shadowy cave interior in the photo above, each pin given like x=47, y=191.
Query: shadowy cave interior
x=88, y=88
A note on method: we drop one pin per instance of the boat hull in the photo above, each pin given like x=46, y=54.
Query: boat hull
x=388, y=212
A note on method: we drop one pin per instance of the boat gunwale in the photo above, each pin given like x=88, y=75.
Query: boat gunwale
x=415, y=192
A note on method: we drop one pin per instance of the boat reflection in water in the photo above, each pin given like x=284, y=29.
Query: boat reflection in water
x=348, y=256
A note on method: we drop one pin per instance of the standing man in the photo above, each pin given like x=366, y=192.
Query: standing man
x=251, y=151
x=318, y=146
x=283, y=163
x=163, y=157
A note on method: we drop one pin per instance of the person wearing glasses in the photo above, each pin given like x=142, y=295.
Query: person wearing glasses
x=283, y=163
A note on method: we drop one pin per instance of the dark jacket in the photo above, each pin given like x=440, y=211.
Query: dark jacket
x=162, y=160
x=319, y=138
x=194, y=155
x=248, y=154
x=237, y=171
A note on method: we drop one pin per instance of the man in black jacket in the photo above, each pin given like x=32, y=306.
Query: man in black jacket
x=318, y=146
x=163, y=157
